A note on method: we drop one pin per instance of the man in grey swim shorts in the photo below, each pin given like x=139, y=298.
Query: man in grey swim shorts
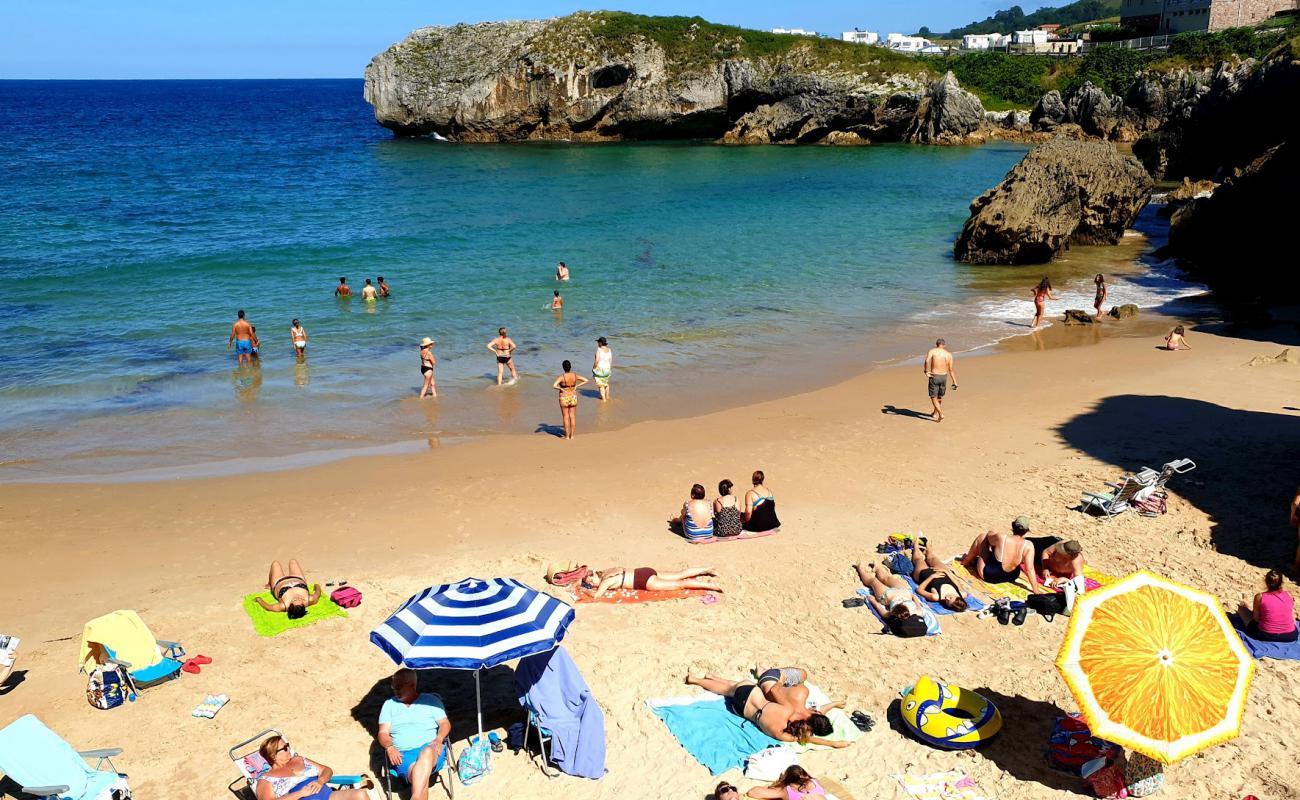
x=938, y=367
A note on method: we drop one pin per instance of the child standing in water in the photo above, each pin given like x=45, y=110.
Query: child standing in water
x=557, y=302
x=1100, y=280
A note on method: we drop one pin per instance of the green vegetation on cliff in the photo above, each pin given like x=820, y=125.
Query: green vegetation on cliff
x=1015, y=18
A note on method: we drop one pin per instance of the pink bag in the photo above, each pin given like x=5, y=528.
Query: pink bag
x=346, y=597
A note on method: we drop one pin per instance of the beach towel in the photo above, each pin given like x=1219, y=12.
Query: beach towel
x=973, y=603
x=844, y=729
x=551, y=685
x=271, y=623
x=713, y=736
x=742, y=537
x=210, y=706
x=931, y=623
x=125, y=634
x=954, y=785
x=625, y=596
x=1282, y=651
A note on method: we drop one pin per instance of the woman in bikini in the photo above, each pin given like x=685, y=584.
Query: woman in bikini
x=291, y=591
x=893, y=600
x=933, y=580
x=775, y=719
x=759, y=513
x=427, y=362
x=1176, y=341
x=641, y=579
x=567, y=385
x=299, y=336
x=1003, y=558
x=1100, y=280
x=794, y=784
x=1042, y=293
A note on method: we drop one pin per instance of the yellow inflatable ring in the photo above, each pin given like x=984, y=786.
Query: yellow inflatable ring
x=949, y=716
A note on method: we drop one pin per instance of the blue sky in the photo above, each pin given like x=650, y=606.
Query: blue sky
x=336, y=38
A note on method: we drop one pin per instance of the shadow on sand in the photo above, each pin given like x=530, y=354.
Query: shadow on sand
x=1018, y=749
x=1245, y=473
x=906, y=412
x=550, y=430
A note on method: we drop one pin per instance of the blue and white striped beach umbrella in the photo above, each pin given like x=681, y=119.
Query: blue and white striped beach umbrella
x=473, y=624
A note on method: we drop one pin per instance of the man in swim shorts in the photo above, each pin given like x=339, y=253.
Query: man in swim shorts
x=413, y=728
x=938, y=369
x=241, y=336
x=368, y=292
x=343, y=290
x=383, y=287
x=504, y=348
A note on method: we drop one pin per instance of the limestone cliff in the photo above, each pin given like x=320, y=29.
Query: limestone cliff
x=598, y=76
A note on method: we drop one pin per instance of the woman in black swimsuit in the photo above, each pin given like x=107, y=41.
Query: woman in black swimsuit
x=933, y=581
x=290, y=590
x=427, y=362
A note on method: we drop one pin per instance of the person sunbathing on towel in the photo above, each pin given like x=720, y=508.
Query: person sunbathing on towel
x=933, y=580
x=291, y=591
x=893, y=601
x=1000, y=557
x=785, y=685
x=775, y=719
x=601, y=582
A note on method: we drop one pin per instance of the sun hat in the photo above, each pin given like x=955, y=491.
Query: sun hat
x=1020, y=525
x=426, y=341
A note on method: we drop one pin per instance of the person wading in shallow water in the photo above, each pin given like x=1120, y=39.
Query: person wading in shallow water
x=504, y=347
x=343, y=290
x=241, y=336
x=939, y=368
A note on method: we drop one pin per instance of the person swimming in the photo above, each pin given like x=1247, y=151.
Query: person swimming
x=557, y=302
x=369, y=292
x=343, y=290
x=561, y=272
x=383, y=287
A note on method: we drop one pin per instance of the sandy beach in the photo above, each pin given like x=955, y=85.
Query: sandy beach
x=1029, y=429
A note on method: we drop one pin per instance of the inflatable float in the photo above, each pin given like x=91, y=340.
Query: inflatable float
x=949, y=716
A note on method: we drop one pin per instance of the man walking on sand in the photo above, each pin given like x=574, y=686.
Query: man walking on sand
x=241, y=335
x=938, y=368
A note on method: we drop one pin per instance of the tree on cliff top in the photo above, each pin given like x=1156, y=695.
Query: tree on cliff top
x=1015, y=18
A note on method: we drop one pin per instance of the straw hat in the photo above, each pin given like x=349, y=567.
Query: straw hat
x=559, y=568
x=426, y=341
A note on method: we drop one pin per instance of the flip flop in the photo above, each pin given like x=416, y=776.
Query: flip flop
x=853, y=602
x=201, y=660
x=190, y=667
x=1021, y=613
x=861, y=721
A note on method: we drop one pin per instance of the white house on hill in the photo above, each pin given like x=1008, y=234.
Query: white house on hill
x=861, y=37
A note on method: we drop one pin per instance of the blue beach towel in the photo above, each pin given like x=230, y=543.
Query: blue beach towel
x=714, y=736
x=1282, y=651
x=931, y=623
x=973, y=603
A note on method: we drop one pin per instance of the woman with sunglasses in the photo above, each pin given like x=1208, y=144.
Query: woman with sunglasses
x=295, y=777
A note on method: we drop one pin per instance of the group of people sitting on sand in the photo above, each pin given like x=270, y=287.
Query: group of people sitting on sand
x=727, y=516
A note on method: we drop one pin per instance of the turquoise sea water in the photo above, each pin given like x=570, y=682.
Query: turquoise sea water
x=141, y=215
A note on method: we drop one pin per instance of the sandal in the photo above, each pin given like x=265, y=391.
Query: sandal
x=862, y=722
x=190, y=667
x=201, y=660
x=1019, y=617
x=853, y=602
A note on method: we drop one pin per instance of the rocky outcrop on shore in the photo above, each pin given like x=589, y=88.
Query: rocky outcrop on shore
x=562, y=79
x=1063, y=192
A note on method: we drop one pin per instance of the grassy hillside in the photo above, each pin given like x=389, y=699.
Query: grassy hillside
x=1015, y=18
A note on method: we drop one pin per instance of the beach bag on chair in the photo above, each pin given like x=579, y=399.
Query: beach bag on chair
x=109, y=686
x=475, y=761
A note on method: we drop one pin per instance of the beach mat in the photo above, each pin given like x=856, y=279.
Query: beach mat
x=270, y=623
x=954, y=785
x=1282, y=651
x=628, y=596
x=932, y=624
x=746, y=536
x=713, y=736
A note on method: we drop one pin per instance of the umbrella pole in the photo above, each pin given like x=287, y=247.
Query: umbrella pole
x=478, y=702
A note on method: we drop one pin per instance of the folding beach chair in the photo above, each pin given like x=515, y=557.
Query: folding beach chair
x=1157, y=480
x=252, y=765
x=1112, y=504
x=122, y=638
x=447, y=776
x=46, y=767
x=533, y=724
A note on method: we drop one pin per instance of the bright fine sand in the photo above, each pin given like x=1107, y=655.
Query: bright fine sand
x=1027, y=431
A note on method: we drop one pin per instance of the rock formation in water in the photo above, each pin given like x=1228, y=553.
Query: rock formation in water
x=603, y=76
x=1063, y=192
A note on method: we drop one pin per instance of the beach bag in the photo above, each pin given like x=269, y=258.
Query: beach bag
x=1071, y=746
x=1146, y=776
x=900, y=564
x=1107, y=782
x=109, y=686
x=475, y=761
x=346, y=597
x=909, y=628
x=1050, y=603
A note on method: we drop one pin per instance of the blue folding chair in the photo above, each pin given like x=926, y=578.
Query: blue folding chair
x=533, y=724
x=46, y=767
x=168, y=669
x=447, y=776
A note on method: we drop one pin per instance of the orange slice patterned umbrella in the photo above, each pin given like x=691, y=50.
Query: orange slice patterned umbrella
x=1156, y=667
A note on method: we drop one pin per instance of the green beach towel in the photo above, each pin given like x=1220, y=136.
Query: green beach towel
x=269, y=623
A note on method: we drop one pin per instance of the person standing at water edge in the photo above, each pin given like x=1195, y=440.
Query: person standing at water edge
x=1100, y=280
x=241, y=334
x=567, y=385
x=368, y=291
x=938, y=368
x=343, y=290
x=427, y=363
x=1042, y=293
x=298, y=334
x=504, y=348
x=557, y=302
x=561, y=272
x=601, y=367
x=383, y=287
x=256, y=355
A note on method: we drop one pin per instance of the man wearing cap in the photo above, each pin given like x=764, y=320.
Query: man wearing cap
x=938, y=367
x=1001, y=557
x=601, y=366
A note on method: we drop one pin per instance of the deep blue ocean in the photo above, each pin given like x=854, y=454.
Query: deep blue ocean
x=139, y=216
